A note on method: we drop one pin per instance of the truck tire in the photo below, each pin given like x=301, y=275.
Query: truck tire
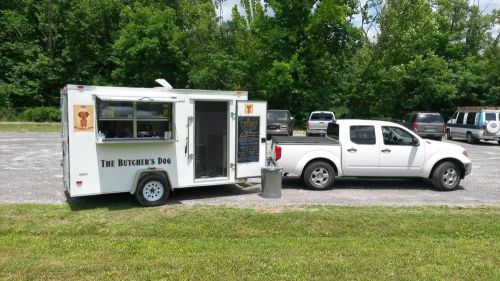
x=319, y=175
x=152, y=190
x=446, y=176
x=471, y=138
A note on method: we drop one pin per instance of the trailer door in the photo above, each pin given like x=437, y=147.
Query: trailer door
x=250, y=138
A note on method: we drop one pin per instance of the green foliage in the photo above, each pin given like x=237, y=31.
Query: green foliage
x=7, y=114
x=298, y=55
x=41, y=114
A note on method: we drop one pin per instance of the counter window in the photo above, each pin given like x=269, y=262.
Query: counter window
x=134, y=120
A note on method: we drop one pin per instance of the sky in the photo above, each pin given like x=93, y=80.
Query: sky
x=486, y=5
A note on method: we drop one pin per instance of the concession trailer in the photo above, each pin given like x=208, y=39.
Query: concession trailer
x=150, y=141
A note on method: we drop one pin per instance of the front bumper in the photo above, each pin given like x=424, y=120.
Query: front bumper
x=468, y=168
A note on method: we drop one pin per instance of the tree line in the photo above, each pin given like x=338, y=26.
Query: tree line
x=300, y=55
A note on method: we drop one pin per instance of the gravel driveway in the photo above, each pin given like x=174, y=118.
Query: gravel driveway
x=30, y=172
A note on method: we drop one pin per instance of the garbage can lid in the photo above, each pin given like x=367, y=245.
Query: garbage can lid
x=271, y=169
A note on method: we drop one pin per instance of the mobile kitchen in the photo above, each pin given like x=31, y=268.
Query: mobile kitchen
x=150, y=141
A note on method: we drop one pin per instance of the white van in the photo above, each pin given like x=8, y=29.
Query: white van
x=475, y=123
x=150, y=141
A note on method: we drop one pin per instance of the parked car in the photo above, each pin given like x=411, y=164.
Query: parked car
x=428, y=125
x=474, y=124
x=279, y=122
x=364, y=148
x=318, y=122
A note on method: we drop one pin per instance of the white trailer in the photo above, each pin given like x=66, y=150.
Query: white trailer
x=150, y=141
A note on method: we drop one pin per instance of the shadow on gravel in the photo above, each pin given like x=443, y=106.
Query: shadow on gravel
x=207, y=192
x=368, y=183
x=123, y=201
x=112, y=202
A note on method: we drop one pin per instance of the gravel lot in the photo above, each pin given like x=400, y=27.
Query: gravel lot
x=30, y=172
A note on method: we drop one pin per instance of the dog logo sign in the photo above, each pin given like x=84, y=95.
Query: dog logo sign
x=248, y=108
x=83, y=118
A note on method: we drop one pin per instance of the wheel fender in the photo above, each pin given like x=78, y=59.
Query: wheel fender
x=318, y=155
x=450, y=155
x=142, y=172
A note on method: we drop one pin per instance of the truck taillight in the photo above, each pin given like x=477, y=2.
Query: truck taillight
x=277, y=152
x=414, y=127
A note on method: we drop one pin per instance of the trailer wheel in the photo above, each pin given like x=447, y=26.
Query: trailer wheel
x=152, y=190
x=319, y=175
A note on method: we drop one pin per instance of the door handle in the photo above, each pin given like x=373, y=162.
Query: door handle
x=352, y=150
x=386, y=150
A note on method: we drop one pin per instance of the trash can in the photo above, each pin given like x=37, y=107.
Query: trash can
x=271, y=182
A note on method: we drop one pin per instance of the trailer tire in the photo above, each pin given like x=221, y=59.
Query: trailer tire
x=319, y=175
x=152, y=190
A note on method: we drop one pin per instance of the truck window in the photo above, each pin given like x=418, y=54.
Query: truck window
x=490, y=116
x=460, y=118
x=362, y=134
x=396, y=136
x=333, y=131
x=134, y=120
x=321, y=116
x=471, y=118
x=277, y=116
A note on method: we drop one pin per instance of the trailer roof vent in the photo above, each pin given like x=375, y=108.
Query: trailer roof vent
x=164, y=83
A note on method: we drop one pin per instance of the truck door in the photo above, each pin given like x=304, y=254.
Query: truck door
x=399, y=155
x=360, y=153
x=250, y=138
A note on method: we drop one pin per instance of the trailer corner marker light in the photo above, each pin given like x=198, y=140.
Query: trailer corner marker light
x=79, y=182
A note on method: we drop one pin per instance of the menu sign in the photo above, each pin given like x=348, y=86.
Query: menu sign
x=248, y=139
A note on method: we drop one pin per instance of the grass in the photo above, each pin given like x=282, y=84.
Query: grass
x=125, y=242
x=29, y=127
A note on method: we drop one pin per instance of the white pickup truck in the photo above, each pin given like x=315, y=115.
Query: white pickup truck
x=364, y=148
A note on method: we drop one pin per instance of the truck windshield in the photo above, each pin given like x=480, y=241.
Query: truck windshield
x=277, y=115
x=322, y=116
x=430, y=118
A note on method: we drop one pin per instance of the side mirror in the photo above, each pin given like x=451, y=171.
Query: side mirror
x=415, y=142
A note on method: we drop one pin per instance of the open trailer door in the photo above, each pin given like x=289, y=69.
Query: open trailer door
x=251, y=125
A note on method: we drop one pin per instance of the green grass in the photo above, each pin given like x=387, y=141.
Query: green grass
x=29, y=127
x=125, y=242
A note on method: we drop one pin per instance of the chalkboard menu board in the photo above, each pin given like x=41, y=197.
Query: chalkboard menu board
x=248, y=139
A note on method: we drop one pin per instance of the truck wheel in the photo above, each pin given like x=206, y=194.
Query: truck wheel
x=448, y=135
x=152, y=190
x=319, y=175
x=471, y=138
x=446, y=176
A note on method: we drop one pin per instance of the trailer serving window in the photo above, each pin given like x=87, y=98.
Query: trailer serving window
x=134, y=120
